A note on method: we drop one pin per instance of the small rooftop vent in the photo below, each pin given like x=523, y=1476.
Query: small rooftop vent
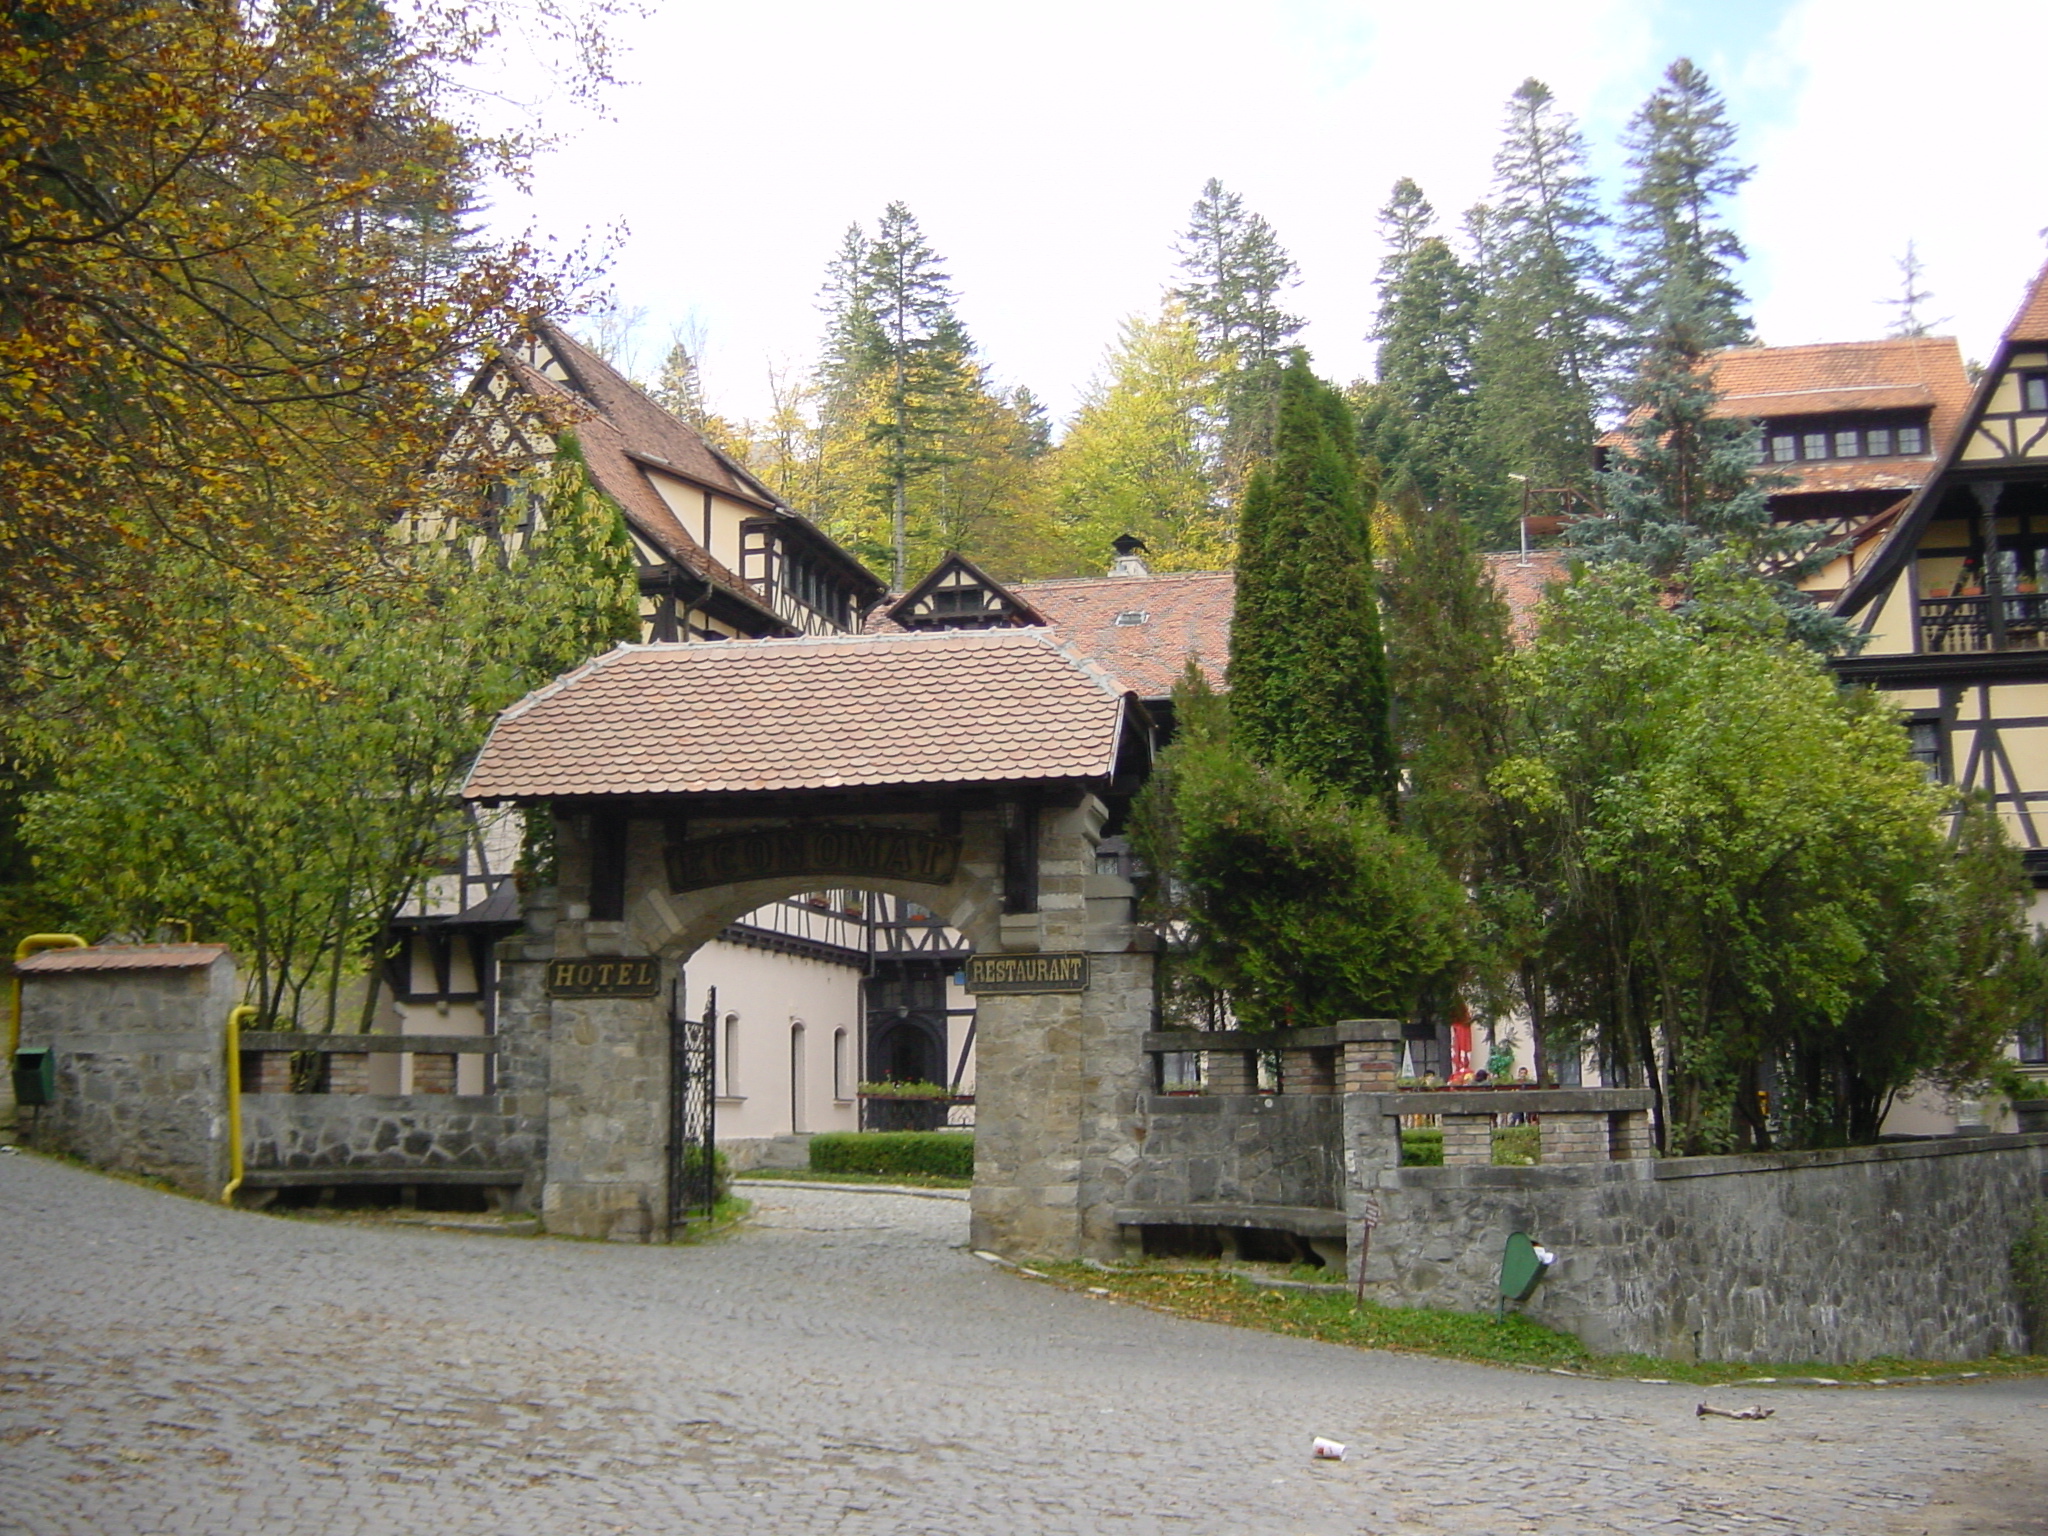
x=1133, y=616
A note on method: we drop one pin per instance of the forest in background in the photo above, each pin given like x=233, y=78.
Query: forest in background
x=1508, y=339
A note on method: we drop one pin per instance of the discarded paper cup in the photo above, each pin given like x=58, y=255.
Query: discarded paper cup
x=1326, y=1450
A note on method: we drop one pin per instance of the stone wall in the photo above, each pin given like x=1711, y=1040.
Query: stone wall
x=361, y=1138
x=1239, y=1149
x=140, y=1056
x=1831, y=1256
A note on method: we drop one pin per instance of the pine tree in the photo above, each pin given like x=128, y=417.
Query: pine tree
x=1422, y=424
x=1673, y=237
x=1308, y=677
x=1545, y=331
x=1236, y=273
x=1907, y=320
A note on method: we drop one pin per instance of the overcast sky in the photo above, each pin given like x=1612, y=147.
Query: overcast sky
x=1051, y=152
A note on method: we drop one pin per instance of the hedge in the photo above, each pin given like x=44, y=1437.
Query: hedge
x=946, y=1153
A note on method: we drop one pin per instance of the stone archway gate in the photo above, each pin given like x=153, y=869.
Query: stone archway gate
x=972, y=772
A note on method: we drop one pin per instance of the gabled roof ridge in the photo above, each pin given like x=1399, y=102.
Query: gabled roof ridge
x=893, y=606
x=546, y=690
x=2030, y=320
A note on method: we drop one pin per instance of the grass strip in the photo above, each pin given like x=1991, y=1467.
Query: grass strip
x=1213, y=1296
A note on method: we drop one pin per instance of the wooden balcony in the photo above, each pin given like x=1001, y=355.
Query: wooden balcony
x=2015, y=622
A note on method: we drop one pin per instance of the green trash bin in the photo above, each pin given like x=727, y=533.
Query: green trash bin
x=35, y=1077
x=1523, y=1264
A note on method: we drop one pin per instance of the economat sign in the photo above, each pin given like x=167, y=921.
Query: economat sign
x=771, y=853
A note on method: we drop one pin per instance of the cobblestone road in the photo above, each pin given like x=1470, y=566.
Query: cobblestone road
x=844, y=1367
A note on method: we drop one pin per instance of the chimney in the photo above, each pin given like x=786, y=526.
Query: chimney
x=1127, y=562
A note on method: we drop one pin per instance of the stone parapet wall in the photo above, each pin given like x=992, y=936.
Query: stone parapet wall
x=1247, y=1149
x=355, y=1135
x=1834, y=1256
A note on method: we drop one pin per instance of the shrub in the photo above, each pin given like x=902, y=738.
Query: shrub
x=2030, y=1273
x=1423, y=1148
x=1516, y=1146
x=721, y=1171
x=949, y=1154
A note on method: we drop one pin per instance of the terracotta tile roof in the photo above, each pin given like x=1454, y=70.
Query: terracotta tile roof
x=1186, y=613
x=959, y=706
x=122, y=957
x=2031, y=323
x=1524, y=582
x=1838, y=376
x=615, y=468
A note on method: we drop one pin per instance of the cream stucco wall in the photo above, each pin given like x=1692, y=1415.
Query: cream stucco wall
x=780, y=1018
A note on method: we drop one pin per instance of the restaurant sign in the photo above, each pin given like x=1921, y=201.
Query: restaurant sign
x=604, y=976
x=1027, y=973
x=774, y=853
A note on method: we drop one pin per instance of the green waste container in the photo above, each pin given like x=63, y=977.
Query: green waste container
x=35, y=1077
x=1523, y=1264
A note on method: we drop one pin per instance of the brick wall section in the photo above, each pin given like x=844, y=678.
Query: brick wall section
x=1369, y=1066
x=432, y=1073
x=1628, y=1135
x=1469, y=1139
x=266, y=1071
x=1574, y=1138
x=348, y=1072
x=1229, y=1072
x=1309, y=1071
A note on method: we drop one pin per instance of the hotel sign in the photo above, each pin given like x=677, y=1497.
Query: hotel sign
x=1027, y=973
x=774, y=853
x=605, y=976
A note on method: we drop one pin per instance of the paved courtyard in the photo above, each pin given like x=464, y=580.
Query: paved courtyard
x=842, y=1366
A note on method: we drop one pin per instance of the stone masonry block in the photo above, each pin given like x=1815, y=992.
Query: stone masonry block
x=1230, y=1072
x=348, y=1072
x=433, y=1073
x=1468, y=1139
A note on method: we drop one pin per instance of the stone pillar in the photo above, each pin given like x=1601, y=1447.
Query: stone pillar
x=1574, y=1138
x=348, y=1072
x=1370, y=1065
x=1628, y=1135
x=1313, y=1070
x=1469, y=1139
x=432, y=1073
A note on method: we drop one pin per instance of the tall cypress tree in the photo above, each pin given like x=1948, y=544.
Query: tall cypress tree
x=1545, y=333
x=1308, y=676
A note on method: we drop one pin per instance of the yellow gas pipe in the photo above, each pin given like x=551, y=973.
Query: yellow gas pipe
x=235, y=1017
x=27, y=947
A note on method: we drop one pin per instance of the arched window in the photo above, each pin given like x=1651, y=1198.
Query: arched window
x=842, y=1068
x=796, y=1078
x=729, y=1058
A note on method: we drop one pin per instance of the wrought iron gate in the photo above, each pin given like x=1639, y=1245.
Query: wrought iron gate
x=692, y=1108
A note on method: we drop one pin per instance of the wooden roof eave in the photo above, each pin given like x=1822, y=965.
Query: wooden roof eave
x=1024, y=610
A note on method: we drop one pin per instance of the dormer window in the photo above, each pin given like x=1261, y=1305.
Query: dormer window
x=1792, y=443
x=956, y=600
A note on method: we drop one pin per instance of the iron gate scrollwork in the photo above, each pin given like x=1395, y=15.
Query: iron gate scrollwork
x=692, y=1108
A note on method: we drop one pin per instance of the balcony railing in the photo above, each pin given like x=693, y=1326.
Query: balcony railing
x=1975, y=623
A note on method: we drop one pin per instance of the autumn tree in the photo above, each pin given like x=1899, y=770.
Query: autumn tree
x=234, y=281
x=1135, y=459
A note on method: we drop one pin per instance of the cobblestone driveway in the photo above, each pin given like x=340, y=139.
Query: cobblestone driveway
x=844, y=1367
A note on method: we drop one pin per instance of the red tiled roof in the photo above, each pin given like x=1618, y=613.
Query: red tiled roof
x=1841, y=376
x=1186, y=613
x=1523, y=582
x=2031, y=323
x=959, y=706
x=123, y=957
x=612, y=462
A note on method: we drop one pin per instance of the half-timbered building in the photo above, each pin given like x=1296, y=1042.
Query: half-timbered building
x=1950, y=606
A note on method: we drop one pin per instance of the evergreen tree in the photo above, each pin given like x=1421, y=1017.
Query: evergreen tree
x=1678, y=255
x=1545, y=331
x=917, y=349
x=1907, y=320
x=1236, y=273
x=1308, y=677
x=1422, y=422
